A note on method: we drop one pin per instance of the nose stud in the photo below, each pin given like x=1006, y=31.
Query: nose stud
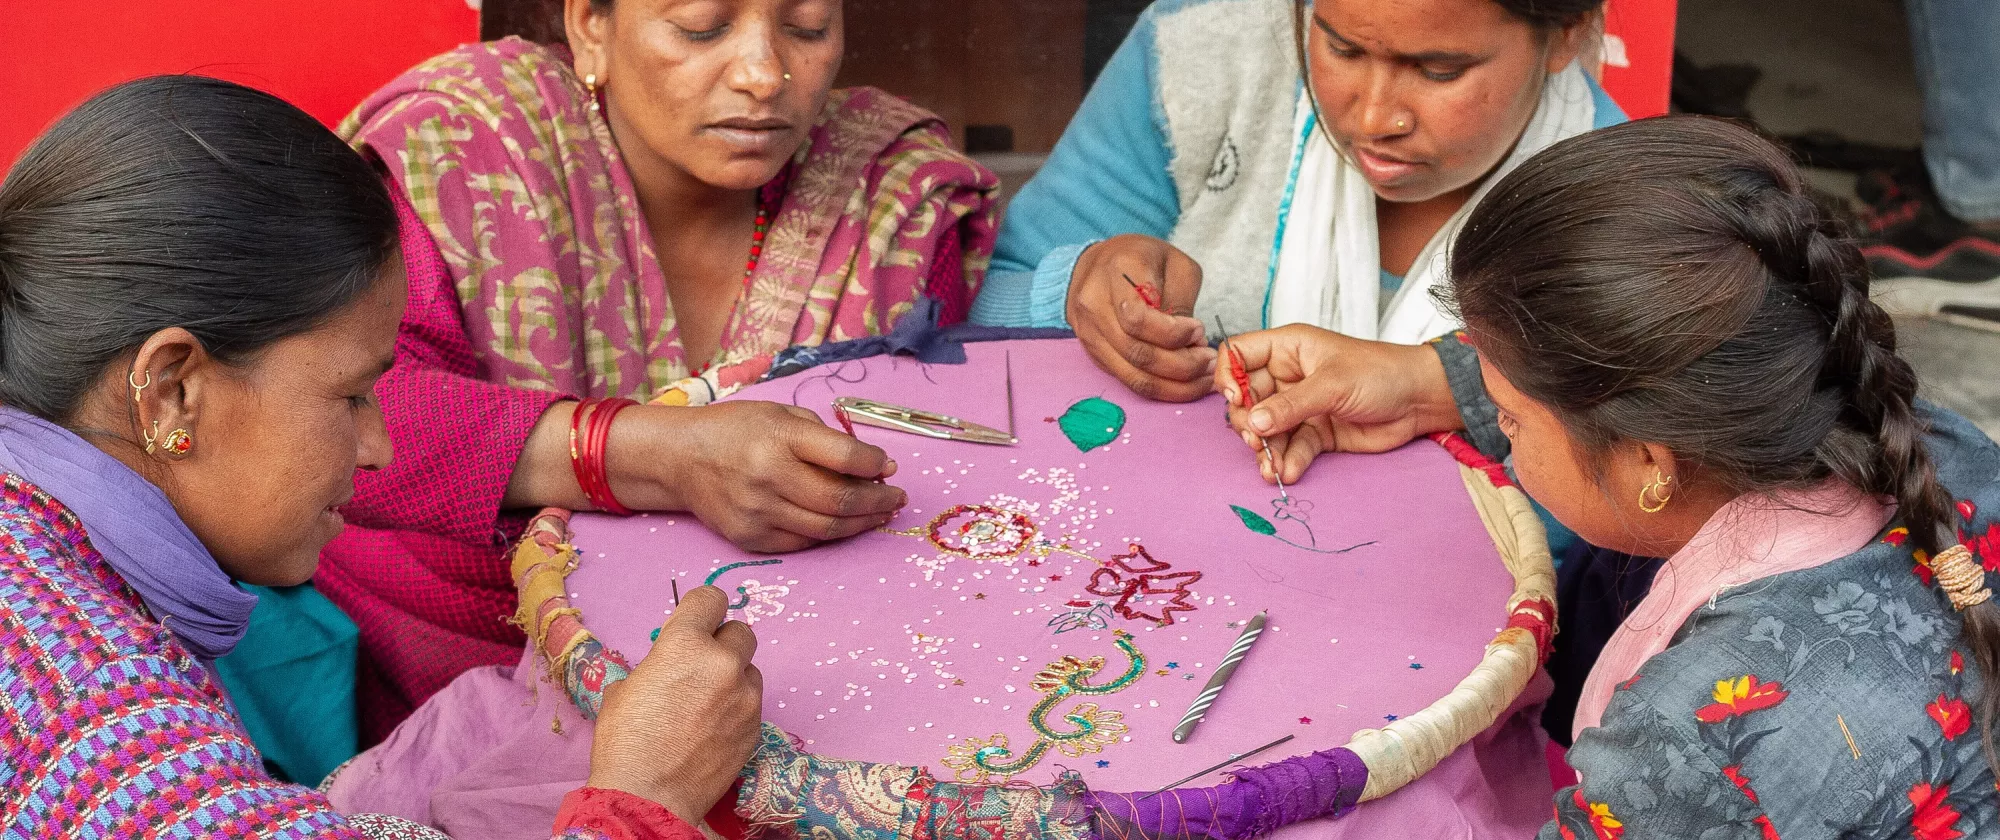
x=1402, y=125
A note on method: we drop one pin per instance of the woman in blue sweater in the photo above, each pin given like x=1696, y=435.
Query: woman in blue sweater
x=1203, y=186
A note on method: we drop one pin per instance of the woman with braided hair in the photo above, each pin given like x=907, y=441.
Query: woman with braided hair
x=1683, y=360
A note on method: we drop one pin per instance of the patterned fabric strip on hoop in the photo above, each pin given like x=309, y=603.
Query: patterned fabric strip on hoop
x=790, y=791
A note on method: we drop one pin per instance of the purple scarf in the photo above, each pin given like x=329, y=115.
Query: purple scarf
x=135, y=528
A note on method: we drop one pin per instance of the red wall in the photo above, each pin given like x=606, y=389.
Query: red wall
x=323, y=55
x=1647, y=28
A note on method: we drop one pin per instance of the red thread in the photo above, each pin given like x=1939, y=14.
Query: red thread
x=1465, y=453
x=1238, y=372
x=1537, y=616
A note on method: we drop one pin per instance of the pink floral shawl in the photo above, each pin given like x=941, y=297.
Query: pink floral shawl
x=524, y=193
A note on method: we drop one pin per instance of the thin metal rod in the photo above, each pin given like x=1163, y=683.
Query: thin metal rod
x=677, y=591
x=1010, y=394
x=1232, y=760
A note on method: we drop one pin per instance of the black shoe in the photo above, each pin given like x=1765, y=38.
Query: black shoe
x=1926, y=262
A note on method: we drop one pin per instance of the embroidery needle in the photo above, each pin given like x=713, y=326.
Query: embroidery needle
x=1850, y=737
x=1199, y=709
x=1232, y=760
x=677, y=591
x=1242, y=378
x=1010, y=394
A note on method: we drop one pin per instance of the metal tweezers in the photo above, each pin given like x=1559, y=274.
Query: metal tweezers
x=918, y=422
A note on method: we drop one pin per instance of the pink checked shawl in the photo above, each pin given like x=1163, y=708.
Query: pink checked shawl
x=532, y=277
x=523, y=190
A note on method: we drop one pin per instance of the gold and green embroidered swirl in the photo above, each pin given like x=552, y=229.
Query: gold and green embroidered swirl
x=1090, y=730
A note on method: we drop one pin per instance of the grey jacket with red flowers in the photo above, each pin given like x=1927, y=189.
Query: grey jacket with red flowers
x=1740, y=728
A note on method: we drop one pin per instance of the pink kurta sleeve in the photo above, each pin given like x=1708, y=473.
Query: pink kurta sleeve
x=457, y=437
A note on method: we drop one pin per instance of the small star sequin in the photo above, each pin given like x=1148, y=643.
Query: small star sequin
x=1416, y=666
x=979, y=596
x=1389, y=718
x=1173, y=665
x=1053, y=578
x=957, y=682
x=1103, y=763
x=1162, y=672
x=1305, y=720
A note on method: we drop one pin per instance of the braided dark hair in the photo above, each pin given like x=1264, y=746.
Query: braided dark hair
x=1670, y=281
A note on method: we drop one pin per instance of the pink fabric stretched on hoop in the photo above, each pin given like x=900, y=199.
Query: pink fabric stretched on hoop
x=1350, y=642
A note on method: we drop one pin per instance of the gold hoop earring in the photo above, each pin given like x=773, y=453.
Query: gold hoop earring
x=1657, y=489
x=152, y=438
x=590, y=84
x=132, y=379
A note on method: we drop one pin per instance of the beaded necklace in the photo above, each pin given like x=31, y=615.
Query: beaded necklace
x=763, y=224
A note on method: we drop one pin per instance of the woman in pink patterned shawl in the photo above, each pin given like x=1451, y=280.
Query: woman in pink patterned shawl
x=650, y=211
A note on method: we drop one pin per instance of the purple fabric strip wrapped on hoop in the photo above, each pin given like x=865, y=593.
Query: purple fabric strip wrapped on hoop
x=1259, y=801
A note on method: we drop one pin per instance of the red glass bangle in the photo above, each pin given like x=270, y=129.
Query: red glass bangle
x=597, y=436
x=590, y=432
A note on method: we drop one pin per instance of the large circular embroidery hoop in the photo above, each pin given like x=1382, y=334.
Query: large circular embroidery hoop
x=790, y=792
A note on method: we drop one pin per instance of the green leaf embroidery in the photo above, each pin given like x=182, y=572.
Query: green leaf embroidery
x=1092, y=423
x=1255, y=522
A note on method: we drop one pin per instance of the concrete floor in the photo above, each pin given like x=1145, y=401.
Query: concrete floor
x=1844, y=66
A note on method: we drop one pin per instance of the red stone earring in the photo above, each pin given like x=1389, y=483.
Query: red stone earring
x=178, y=442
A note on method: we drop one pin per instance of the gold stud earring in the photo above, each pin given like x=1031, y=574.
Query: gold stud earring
x=788, y=77
x=178, y=442
x=1654, y=497
x=590, y=84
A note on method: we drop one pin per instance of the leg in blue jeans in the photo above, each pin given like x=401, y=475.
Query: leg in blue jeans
x=1957, y=44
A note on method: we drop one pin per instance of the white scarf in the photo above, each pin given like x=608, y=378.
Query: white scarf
x=1329, y=266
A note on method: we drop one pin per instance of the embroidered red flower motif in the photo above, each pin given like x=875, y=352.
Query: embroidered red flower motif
x=1763, y=824
x=1951, y=715
x=1923, y=567
x=1957, y=663
x=1896, y=536
x=1134, y=575
x=1966, y=509
x=1742, y=783
x=1602, y=823
x=1741, y=696
x=1935, y=819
